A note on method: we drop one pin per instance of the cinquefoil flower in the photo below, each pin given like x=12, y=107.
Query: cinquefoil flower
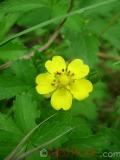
x=64, y=82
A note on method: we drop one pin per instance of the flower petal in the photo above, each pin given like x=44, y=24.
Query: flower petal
x=44, y=83
x=78, y=68
x=57, y=64
x=61, y=98
x=81, y=88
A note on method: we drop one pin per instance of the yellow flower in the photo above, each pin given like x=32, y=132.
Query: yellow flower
x=65, y=82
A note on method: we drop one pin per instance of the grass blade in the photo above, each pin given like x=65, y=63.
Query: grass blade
x=79, y=11
x=28, y=153
x=14, y=152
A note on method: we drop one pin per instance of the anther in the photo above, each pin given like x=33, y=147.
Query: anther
x=68, y=72
x=58, y=73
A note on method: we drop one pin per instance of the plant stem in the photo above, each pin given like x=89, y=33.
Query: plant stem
x=29, y=56
x=28, y=153
x=57, y=30
x=22, y=142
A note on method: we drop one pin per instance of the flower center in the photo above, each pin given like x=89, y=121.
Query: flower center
x=64, y=79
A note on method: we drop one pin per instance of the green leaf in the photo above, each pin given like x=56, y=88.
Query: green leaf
x=10, y=135
x=44, y=145
x=20, y=6
x=25, y=71
x=82, y=128
x=10, y=86
x=79, y=11
x=99, y=141
x=100, y=92
x=115, y=143
x=83, y=44
x=117, y=105
x=35, y=17
x=12, y=50
x=36, y=155
x=26, y=112
x=94, y=76
x=85, y=108
x=6, y=22
x=20, y=78
x=53, y=128
x=113, y=35
x=25, y=139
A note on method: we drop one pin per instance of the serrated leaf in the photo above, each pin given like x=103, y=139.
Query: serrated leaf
x=10, y=135
x=98, y=141
x=20, y=6
x=25, y=71
x=6, y=22
x=10, y=86
x=79, y=11
x=82, y=44
x=99, y=92
x=53, y=128
x=25, y=139
x=26, y=112
x=35, y=17
x=20, y=78
x=12, y=50
x=85, y=108
x=82, y=128
x=36, y=155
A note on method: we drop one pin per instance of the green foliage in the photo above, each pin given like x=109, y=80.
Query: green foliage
x=54, y=127
x=25, y=112
x=6, y=22
x=10, y=86
x=91, y=32
x=29, y=20
x=79, y=11
x=113, y=35
x=86, y=108
x=86, y=45
x=99, y=141
x=18, y=79
x=23, y=5
x=12, y=51
x=10, y=135
x=117, y=105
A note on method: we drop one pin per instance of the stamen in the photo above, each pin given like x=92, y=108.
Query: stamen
x=73, y=80
x=58, y=73
x=63, y=70
x=68, y=73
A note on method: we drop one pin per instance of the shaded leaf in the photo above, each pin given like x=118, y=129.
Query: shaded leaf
x=10, y=135
x=26, y=112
